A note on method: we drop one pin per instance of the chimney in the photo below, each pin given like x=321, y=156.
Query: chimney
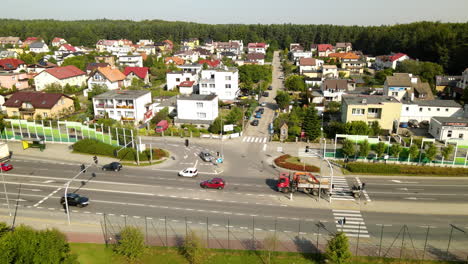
x=364, y=101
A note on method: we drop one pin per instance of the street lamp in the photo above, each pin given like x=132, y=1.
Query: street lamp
x=6, y=194
x=82, y=170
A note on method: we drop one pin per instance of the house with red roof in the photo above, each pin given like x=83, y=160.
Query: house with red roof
x=57, y=42
x=257, y=47
x=390, y=61
x=62, y=76
x=325, y=49
x=186, y=87
x=67, y=48
x=34, y=104
x=210, y=63
x=12, y=65
x=255, y=58
x=141, y=73
x=28, y=41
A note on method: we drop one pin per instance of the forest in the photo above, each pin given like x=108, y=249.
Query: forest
x=442, y=43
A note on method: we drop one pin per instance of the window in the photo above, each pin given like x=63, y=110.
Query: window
x=187, y=79
x=44, y=114
x=212, y=76
x=177, y=79
x=373, y=110
x=449, y=133
x=15, y=113
x=429, y=109
x=358, y=111
x=407, y=108
x=228, y=86
x=420, y=109
x=460, y=136
x=201, y=115
x=438, y=109
x=446, y=109
x=199, y=105
x=228, y=78
x=119, y=113
x=62, y=101
x=111, y=112
x=204, y=85
x=212, y=85
x=438, y=131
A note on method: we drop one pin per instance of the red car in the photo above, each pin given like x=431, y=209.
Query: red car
x=6, y=166
x=215, y=183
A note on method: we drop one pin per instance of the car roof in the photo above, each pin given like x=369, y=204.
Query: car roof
x=73, y=195
x=191, y=168
x=218, y=179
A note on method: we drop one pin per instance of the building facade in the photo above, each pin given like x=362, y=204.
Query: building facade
x=131, y=106
x=224, y=82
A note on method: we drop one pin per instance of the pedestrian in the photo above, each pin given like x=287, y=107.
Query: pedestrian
x=363, y=185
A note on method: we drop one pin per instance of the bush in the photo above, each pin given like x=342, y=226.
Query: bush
x=282, y=162
x=131, y=243
x=337, y=250
x=193, y=249
x=358, y=167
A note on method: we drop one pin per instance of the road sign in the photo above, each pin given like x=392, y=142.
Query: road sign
x=228, y=128
x=279, y=149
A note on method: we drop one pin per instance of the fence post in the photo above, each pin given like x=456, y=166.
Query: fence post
x=253, y=232
x=125, y=219
x=146, y=230
x=425, y=243
x=165, y=229
x=450, y=240
x=358, y=235
x=299, y=229
x=207, y=235
x=105, y=229
x=318, y=235
x=381, y=238
x=186, y=228
x=402, y=241
x=229, y=243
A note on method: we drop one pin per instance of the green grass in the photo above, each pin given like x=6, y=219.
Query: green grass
x=296, y=160
x=99, y=254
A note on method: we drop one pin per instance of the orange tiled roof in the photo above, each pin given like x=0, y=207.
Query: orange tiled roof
x=176, y=60
x=112, y=74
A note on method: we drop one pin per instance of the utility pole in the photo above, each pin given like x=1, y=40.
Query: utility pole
x=83, y=169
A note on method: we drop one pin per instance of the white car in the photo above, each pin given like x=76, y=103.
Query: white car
x=189, y=172
x=263, y=104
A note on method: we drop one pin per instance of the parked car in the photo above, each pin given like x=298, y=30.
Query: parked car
x=266, y=94
x=75, y=199
x=261, y=110
x=215, y=183
x=162, y=126
x=424, y=123
x=206, y=156
x=254, y=122
x=258, y=115
x=263, y=104
x=189, y=172
x=270, y=88
x=413, y=123
x=403, y=124
x=6, y=166
x=113, y=166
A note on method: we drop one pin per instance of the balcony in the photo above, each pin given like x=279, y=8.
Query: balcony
x=104, y=106
x=27, y=110
x=126, y=118
x=125, y=106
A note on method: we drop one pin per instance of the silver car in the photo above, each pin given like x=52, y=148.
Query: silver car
x=206, y=156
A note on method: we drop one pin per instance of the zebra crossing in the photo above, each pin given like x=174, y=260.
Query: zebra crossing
x=259, y=140
x=341, y=190
x=353, y=226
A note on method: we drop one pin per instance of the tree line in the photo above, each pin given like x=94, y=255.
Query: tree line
x=443, y=43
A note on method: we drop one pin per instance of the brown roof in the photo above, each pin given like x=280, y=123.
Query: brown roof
x=307, y=62
x=112, y=74
x=94, y=65
x=399, y=80
x=37, y=99
x=65, y=72
x=335, y=84
x=255, y=56
x=423, y=91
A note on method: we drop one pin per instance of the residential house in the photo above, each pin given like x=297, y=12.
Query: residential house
x=405, y=86
x=18, y=80
x=148, y=50
x=109, y=77
x=343, y=47
x=389, y=61
x=255, y=58
x=234, y=46
x=5, y=54
x=196, y=109
x=329, y=71
x=224, y=82
x=325, y=49
x=164, y=46
x=40, y=66
x=457, y=92
x=257, y=48
x=228, y=54
x=105, y=59
x=62, y=76
x=145, y=42
x=385, y=110
x=12, y=65
x=192, y=68
x=203, y=53
x=353, y=63
x=114, y=46
x=188, y=55
x=210, y=63
x=334, y=89
x=39, y=47
x=27, y=105
x=449, y=129
x=191, y=42
x=297, y=55
x=187, y=87
x=15, y=41
x=174, y=60
x=175, y=78
x=140, y=73
x=310, y=66
x=90, y=67
x=57, y=42
x=131, y=60
x=29, y=40
x=131, y=106
x=424, y=110
x=446, y=83
x=295, y=47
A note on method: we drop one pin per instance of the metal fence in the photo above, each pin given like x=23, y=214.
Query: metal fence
x=448, y=243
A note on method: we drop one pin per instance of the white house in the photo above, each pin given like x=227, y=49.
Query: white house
x=175, y=78
x=197, y=109
x=131, y=60
x=449, y=128
x=223, y=82
x=343, y=47
x=186, y=87
x=124, y=105
x=57, y=42
x=333, y=89
x=234, y=46
x=38, y=47
x=109, y=77
x=297, y=55
x=257, y=48
x=62, y=76
x=329, y=71
x=424, y=110
x=309, y=64
x=390, y=61
x=463, y=83
x=255, y=58
x=194, y=68
x=188, y=55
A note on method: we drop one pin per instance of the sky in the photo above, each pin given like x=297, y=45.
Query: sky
x=338, y=12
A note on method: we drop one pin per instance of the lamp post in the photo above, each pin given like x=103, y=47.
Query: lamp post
x=66, y=190
x=5, y=190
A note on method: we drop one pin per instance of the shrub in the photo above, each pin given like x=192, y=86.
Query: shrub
x=131, y=243
x=358, y=167
x=193, y=249
x=337, y=250
x=282, y=162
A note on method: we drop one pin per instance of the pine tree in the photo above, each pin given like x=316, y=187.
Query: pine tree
x=337, y=251
x=364, y=149
x=312, y=123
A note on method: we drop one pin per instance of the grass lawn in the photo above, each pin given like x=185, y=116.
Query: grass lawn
x=296, y=160
x=99, y=254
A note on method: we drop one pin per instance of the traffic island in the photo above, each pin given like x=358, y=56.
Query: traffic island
x=294, y=163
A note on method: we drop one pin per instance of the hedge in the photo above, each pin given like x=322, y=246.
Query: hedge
x=96, y=147
x=380, y=168
x=281, y=162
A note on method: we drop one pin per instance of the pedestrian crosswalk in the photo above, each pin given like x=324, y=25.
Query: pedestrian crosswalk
x=341, y=190
x=351, y=223
x=255, y=139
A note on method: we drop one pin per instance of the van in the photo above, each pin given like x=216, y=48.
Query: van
x=162, y=126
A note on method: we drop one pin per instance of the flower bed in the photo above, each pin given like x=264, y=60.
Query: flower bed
x=282, y=161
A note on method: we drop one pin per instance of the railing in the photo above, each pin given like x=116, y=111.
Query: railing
x=128, y=118
x=27, y=110
x=125, y=106
x=104, y=106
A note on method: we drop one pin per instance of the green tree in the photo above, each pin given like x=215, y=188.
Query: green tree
x=193, y=249
x=395, y=150
x=333, y=107
x=364, y=148
x=375, y=128
x=348, y=148
x=380, y=149
x=282, y=99
x=76, y=104
x=337, y=251
x=431, y=152
x=131, y=243
x=163, y=114
x=78, y=61
x=357, y=128
x=447, y=151
x=234, y=116
x=413, y=151
x=97, y=90
x=216, y=126
x=427, y=71
x=295, y=83
x=464, y=97
x=311, y=124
